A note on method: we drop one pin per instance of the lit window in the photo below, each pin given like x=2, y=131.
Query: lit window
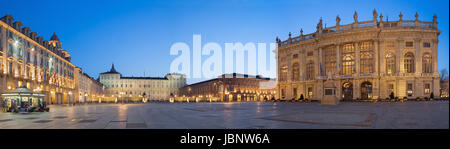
x=409, y=89
x=330, y=60
x=367, y=61
x=348, y=59
x=409, y=63
x=427, y=88
x=426, y=63
x=296, y=72
x=390, y=63
x=310, y=92
x=310, y=70
x=283, y=73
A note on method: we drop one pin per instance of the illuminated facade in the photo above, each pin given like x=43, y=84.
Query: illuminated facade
x=230, y=87
x=364, y=60
x=89, y=89
x=134, y=89
x=28, y=60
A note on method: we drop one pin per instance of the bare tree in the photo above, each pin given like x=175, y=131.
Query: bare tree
x=443, y=74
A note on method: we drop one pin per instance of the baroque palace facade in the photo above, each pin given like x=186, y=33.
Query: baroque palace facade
x=27, y=60
x=134, y=89
x=362, y=60
x=229, y=87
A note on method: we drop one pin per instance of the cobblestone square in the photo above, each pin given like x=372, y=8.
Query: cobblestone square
x=244, y=115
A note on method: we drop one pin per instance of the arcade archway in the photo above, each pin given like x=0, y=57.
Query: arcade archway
x=366, y=90
x=347, y=91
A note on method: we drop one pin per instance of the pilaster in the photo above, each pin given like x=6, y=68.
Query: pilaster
x=418, y=57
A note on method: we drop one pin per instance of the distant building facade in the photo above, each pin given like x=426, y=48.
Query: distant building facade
x=151, y=88
x=89, y=89
x=26, y=59
x=230, y=87
x=444, y=88
x=364, y=60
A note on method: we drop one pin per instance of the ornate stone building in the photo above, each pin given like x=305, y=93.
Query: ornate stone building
x=230, y=87
x=27, y=60
x=365, y=60
x=132, y=88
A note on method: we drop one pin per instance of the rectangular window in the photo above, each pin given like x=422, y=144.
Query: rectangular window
x=426, y=45
x=427, y=88
x=409, y=44
x=295, y=92
x=348, y=59
x=310, y=53
x=282, y=93
x=409, y=89
x=310, y=92
x=328, y=91
x=330, y=60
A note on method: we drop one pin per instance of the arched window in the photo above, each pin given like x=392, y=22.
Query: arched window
x=295, y=72
x=366, y=57
x=390, y=63
x=348, y=59
x=283, y=73
x=426, y=63
x=310, y=70
x=330, y=60
x=409, y=62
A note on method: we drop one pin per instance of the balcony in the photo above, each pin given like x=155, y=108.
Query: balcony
x=360, y=25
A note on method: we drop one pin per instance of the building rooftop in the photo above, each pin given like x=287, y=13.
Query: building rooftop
x=111, y=71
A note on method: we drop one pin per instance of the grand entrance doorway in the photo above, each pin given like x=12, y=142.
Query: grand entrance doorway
x=347, y=91
x=366, y=90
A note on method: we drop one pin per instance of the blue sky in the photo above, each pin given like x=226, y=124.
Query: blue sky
x=137, y=34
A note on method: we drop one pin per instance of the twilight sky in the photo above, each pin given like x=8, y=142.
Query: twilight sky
x=137, y=34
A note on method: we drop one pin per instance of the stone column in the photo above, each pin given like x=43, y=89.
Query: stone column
x=357, y=59
x=356, y=82
x=321, y=63
x=319, y=90
x=376, y=57
x=436, y=83
x=434, y=56
x=382, y=56
x=316, y=63
x=303, y=65
x=399, y=57
x=418, y=57
x=356, y=89
x=339, y=68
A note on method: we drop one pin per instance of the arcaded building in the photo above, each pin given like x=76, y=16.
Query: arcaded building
x=230, y=87
x=362, y=60
x=133, y=88
x=90, y=90
x=26, y=59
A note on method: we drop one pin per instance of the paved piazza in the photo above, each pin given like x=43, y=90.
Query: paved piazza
x=247, y=115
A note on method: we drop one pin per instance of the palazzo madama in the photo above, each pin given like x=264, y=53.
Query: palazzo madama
x=364, y=60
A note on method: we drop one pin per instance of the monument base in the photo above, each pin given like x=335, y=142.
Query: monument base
x=329, y=100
